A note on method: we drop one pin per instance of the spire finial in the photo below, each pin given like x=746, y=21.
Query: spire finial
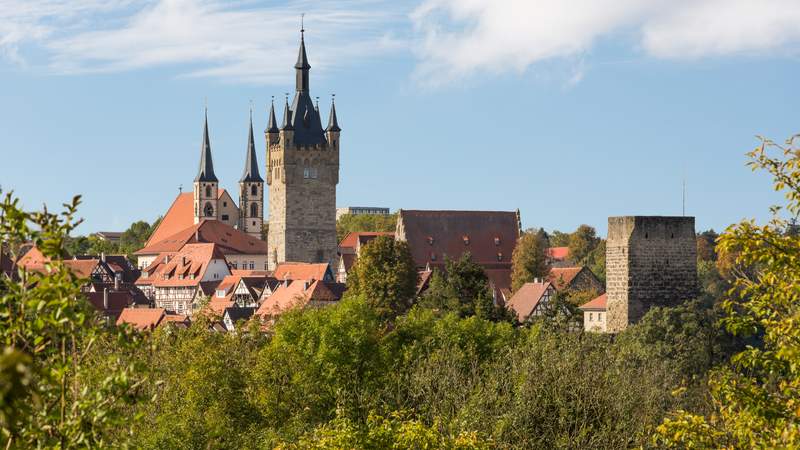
x=302, y=28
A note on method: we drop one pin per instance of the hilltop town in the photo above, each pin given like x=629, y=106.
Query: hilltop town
x=212, y=254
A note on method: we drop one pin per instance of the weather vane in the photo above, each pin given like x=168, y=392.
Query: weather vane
x=302, y=28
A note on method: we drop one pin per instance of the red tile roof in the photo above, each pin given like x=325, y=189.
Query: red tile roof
x=598, y=303
x=189, y=266
x=559, y=253
x=141, y=318
x=297, y=294
x=356, y=238
x=117, y=301
x=82, y=268
x=525, y=300
x=229, y=239
x=562, y=277
x=489, y=236
x=33, y=259
x=179, y=217
x=302, y=271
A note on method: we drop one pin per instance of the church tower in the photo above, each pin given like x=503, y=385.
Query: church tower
x=251, y=189
x=302, y=174
x=206, y=183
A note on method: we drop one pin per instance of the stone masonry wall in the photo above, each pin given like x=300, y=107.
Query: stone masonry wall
x=650, y=261
x=302, y=219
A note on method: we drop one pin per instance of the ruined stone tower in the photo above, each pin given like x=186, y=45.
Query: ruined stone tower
x=302, y=174
x=650, y=261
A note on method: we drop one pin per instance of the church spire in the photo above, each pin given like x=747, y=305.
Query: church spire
x=272, y=124
x=302, y=66
x=206, y=171
x=333, y=122
x=251, y=162
x=287, y=117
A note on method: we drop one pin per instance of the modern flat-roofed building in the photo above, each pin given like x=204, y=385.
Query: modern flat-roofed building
x=358, y=210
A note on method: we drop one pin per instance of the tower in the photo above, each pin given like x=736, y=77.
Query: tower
x=302, y=174
x=251, y=189
x=650, y=261
x=206, y=184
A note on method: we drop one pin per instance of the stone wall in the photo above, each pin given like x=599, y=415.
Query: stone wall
x=302, y=199
x=650, y=261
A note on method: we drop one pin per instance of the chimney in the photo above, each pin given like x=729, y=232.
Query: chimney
x=103, y=256
x=305, y=285
x=116, y=283
x=105, y=299
x=197, y=234
x=183, y=260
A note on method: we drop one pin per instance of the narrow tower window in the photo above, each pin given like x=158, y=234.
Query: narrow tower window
x=208, y=211
x=253, y=210
x=253, y=190
x=208, y=191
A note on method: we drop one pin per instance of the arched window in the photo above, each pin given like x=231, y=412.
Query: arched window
x=208, y=211
x=253, y=210
x=254, y=191
x=208, y=191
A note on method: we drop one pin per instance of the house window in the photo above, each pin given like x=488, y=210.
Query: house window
x=496, y=241
x=224, y=217
x=433, y=256
x=591, y=317
x=220, y=293
x=314, y=173
x=465, y=239
x=599, y=316
x=225, y=204
x=499, y=256
x=430, y=240
x=306, y=172
x=234, y=265
x=252, y=265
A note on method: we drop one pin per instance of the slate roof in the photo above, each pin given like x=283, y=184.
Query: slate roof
x=251, y=173
x=272, y=124
x=206, y=171
x=235, y=314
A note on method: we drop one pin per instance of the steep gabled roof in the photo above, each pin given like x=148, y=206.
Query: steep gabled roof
x=489, y=236
x=189, y=266
x=141, y=318
x=356, y=238
x=179, y=217
x=527, y=298
x=298, y=293
x=562, y=277
x=229, y=239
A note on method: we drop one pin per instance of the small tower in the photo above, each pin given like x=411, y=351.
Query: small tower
x=206, y=185
x=251, y=190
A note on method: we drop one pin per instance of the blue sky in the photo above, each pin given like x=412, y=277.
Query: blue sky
x=569, y=111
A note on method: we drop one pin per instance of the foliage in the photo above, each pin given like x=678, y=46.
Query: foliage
x=581, y=244
x=61, y=387
x=462, y=288
x=130, y=241
x=385, y=274
x=348, y=223
x=756, y=396
x=529, y=259
x=558, y=239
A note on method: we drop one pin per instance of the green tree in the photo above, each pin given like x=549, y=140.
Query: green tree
x=62, y=386
x=581, y=244
x=529, y=259
x=364, y=222
x=462, y=288
x=755, y=397
x=385, y=276
x=559, y=239
x=596, y=261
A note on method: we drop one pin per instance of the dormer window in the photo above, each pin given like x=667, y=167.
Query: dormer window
x=497, y=240
x=465, y=238
x=220, y=293
x=430, y=240
x=499, y=256
x=433, y=256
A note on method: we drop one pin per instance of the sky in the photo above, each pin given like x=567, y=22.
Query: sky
x=570, y=111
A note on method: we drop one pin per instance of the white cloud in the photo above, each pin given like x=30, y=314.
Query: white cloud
x=464, y=37
x=234, y=41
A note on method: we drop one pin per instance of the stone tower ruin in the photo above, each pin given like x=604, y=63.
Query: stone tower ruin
x=650, y=261
x=302, y=174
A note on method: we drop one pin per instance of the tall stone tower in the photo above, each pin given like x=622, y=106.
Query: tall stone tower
x=206, y=197
x=650, y=261
x=302, y=174
x=251, y=191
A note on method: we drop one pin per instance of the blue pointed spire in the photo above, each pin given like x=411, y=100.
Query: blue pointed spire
x=250, y=173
